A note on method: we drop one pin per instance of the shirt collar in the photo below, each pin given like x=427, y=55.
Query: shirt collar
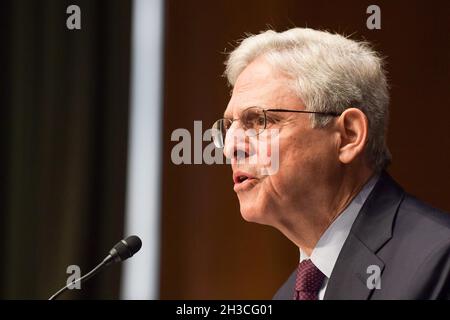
x=327, y=249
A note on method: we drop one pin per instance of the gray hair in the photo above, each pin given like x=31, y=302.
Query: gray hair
x=330, y=73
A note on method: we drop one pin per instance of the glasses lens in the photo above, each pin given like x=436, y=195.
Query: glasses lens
x=254, y=121
x=219, y=131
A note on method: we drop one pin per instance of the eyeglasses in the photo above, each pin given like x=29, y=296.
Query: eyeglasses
x=254, y=121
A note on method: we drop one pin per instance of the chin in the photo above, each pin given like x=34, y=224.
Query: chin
x=255, y=214
x=249, y=216
x=254, y=206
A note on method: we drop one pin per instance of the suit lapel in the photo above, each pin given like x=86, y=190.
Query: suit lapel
x=349, y=277
x=370, y=231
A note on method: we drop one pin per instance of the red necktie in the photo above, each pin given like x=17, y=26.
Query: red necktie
x=309, y=281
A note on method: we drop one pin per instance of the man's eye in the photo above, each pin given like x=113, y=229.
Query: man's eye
x=253, y=119
x=261, y=120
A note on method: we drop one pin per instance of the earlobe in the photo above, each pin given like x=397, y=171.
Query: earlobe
x=353, y=128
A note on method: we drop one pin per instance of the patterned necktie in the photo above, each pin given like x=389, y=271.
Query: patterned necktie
x=309, y=281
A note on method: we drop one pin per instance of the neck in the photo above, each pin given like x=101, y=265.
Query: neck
x=306, y=225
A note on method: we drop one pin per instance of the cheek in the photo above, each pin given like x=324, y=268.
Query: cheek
x=266, y=145
x=301, y=160
x=309, y=161
x=293, y=152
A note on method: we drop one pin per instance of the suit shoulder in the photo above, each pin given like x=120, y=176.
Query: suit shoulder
x=423, y=221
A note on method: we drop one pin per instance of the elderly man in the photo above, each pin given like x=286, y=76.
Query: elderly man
x=324, y=98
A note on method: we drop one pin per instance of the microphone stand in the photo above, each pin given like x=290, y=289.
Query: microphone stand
x=86, y=277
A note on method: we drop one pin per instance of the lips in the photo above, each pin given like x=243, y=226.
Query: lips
x=241, y=176
x=242, y=180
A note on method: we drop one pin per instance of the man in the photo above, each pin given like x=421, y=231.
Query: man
x=324, y=99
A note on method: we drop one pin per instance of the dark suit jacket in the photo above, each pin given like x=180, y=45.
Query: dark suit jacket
x=408, y=240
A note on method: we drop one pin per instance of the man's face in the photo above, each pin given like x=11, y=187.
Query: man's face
x=307, y=156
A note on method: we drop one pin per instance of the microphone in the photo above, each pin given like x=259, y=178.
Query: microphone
x=123, y=250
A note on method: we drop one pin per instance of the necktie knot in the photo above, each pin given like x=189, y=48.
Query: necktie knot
x=309, y=281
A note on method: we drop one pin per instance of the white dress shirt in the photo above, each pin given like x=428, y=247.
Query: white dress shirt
x=327, y=249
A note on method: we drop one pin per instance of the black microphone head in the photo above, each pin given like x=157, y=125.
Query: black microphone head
x=126, y=248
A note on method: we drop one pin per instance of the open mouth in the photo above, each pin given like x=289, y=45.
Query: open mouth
x=240, y=177
x=242, y=181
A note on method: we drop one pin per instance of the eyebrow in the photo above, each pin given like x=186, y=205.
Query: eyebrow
x=226, y=115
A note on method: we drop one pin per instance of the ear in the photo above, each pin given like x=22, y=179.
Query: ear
x=353, y=128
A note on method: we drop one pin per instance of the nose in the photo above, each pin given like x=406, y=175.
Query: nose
x=237, y=146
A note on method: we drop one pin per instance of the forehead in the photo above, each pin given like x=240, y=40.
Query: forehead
x=260, y=84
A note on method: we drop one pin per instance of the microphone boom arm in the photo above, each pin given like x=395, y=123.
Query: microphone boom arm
x=86, y=277
x=123, y=250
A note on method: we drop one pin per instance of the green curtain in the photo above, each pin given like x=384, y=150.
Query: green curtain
x=64, y=100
